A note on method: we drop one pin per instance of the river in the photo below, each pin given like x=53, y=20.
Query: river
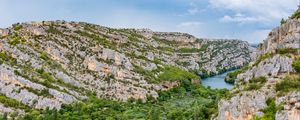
x=217, y=81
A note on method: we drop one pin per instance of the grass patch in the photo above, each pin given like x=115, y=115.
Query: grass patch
x=255, y=83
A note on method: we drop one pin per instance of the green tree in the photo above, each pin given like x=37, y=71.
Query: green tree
x=282, y=21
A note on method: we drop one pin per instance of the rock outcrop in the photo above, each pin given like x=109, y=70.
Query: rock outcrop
x=285, y=36
x=270, y=67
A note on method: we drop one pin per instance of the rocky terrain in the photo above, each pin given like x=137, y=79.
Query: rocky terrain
x=50, y=63
x=269, y=87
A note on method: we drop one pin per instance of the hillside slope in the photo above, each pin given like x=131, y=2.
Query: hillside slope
x=47, y=64
x=268, y=88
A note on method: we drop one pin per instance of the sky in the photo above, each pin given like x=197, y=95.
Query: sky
x=248, y=20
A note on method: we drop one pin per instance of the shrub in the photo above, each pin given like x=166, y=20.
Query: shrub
x=44, y=92
x=16, y=40
x=270, y=110
x=286, y=50
x=53, y=30
x=132, y=38
x=189, y=50
x=231, y=77
x=18, y=27
x=6, y=58
x=44, y=56
x=296, y=15
x=282, y=21
x=45, y=75
x=296, y=65
x=288, y=84
x=256, y=83
x=12, y=102
x=263, y=57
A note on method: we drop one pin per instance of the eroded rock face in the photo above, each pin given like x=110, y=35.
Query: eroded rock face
x=285, y=36
x=269, y=67
x=245, y=105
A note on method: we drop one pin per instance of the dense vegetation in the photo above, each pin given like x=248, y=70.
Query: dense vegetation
x=166, y=73
x=171, y=73
x=187, y=101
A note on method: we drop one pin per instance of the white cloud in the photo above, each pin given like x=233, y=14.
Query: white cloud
x=242, y=19
x=256, y=9
x=189, y=24
x=193, y=9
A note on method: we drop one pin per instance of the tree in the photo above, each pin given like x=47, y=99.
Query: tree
x=282, y=21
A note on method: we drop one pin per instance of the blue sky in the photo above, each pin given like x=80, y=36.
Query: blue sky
x=249, y=20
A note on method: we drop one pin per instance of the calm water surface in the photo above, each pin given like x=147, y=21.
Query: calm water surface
x=217, y=81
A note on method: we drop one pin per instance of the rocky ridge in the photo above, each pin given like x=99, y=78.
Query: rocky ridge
x=47, y=64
